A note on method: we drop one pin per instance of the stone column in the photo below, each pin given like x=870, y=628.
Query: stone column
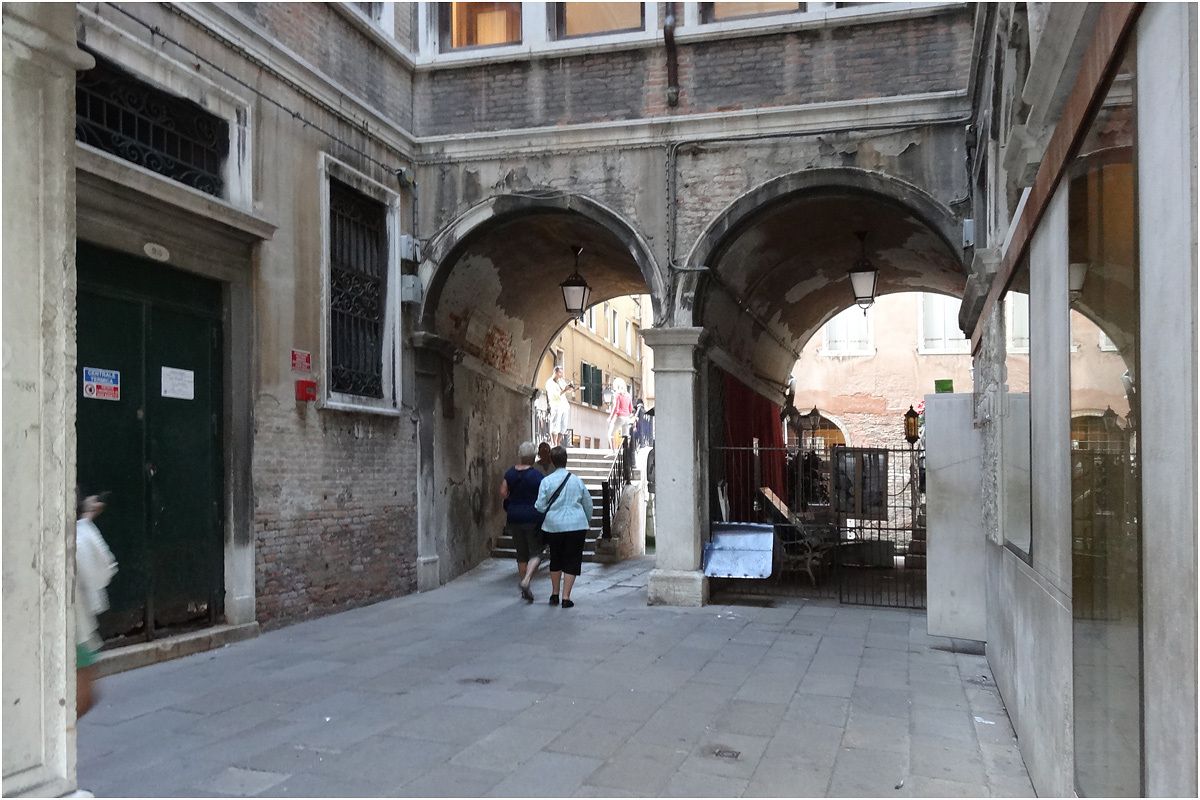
x=680, y=452
x=40, y=60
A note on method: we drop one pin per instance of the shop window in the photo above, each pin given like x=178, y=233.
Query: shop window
x=719, y=12
x=463, y=25
x=1016, y=453
x=358, y=292
x=939, y=325
x=1105, y=494
x=128, y=118
x=849, y=334
x=571, y=20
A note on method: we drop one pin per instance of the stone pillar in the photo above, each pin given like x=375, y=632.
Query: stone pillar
x=40, y=60
x=680, y=456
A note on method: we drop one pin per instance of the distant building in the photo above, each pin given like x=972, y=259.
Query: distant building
x=606, y=344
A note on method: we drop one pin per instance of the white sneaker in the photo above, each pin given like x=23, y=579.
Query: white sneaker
x=80, y=793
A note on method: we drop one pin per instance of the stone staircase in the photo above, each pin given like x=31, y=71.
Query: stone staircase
x=593, y=467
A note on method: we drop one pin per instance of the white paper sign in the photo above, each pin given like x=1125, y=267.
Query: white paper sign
x=178, y=383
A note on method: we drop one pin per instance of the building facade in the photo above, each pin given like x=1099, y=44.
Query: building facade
x=352, y=219
x=862, y=371
x=595, y=351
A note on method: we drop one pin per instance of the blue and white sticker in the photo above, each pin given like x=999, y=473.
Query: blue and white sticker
x=101, y=384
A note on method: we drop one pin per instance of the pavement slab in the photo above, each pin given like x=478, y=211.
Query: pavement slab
x=465, y=691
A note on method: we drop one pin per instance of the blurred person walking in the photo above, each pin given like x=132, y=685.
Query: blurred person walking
x=94, y=571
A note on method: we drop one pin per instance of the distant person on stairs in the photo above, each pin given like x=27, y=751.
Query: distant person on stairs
x=567, y=504
x=518, y=491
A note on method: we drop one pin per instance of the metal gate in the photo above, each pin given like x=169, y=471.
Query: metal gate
x=849, y=523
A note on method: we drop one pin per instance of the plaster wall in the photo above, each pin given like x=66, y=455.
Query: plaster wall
x=957, y=599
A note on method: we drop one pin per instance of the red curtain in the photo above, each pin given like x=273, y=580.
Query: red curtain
x=749, y=416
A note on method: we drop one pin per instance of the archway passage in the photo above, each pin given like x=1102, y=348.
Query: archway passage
x=492, y=306
x=776, y=275
x=782, y=270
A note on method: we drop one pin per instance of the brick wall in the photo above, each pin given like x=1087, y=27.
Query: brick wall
x=329, y=42
x=873, y=59
x=335, y=516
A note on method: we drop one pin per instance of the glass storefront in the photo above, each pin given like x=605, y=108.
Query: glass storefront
x=1105, y=475
x=1015, y=447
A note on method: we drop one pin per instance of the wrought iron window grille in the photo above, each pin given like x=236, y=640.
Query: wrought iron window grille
x=122, y=115
x=358, y=265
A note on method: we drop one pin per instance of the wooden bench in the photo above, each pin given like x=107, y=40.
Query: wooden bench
x=811, y=544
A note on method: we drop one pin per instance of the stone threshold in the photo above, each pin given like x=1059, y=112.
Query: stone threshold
x=168, y=648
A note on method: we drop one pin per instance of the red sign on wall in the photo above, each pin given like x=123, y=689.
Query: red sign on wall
x=301, y=361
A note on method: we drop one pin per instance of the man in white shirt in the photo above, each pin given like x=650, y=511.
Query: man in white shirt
x=556, y=397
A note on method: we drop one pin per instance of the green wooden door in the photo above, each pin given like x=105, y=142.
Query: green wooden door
x=149, y=433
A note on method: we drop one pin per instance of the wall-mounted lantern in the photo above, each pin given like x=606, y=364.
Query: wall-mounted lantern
x=864, y=277
x=575, y=290
x=912, y=431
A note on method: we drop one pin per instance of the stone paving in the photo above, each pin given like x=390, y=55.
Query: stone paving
x=467, y=691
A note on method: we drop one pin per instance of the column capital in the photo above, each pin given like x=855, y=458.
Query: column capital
x=673, y=337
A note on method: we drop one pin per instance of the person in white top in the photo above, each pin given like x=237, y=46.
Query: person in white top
x=556, y=397
x=94, y=571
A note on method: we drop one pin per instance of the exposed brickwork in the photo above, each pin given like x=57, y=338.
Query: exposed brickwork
x=323, y=38
x=335, y=511
x=873, y=59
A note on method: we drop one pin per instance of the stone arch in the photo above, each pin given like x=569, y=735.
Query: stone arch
x=934, y=214
x=450, y=243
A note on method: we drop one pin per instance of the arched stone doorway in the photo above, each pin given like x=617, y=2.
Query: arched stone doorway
x=761, y=279
x=492, y=304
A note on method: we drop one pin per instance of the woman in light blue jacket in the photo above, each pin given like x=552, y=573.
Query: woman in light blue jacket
x=567, y=504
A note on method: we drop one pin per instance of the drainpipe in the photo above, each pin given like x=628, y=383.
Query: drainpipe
x=672, y=57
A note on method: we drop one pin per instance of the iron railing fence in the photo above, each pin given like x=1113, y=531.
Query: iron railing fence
x=849, y=524
x=620, y=475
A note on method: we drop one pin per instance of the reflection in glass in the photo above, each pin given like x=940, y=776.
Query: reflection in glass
x=1015, y=445
x=590, y=19
x=1105, y=476
x=479, y=24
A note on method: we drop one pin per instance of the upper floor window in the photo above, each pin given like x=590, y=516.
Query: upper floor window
x=589, y=319
x=593, y=19
x=849, y=334
x=1107, y=344
x=463, y=25
x=628, y=338
x=360, y=331
x=719, y=12
x=612, y=327
x=939, y=326
x=128, y=118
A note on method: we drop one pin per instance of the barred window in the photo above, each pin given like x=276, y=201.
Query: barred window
x=358, y=275
x=127, y=117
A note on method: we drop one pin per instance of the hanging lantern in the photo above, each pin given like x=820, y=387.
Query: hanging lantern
x=1076, y=275
x=864, y=277
x=912, y=430
x=575, y=290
